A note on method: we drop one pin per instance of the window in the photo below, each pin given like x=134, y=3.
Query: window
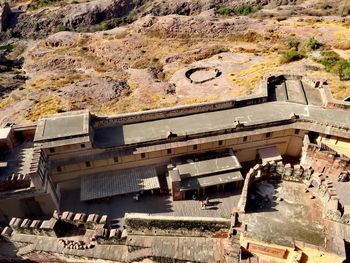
x=245, y=138
x=59, y=169
x=52, y=150
x=88, y=164
x=195, y=147
x=220, y=143
x=116, y=159
x=268, y=135
x=82, y=145
x=143, y=155
x=296, y=131
x=168, y=151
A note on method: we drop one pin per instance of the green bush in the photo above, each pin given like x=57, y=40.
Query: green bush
x=292, y=55
x=8, y=47
x=225, y=11
x=334, y=63
x=105, y=26
x=244, y=10
x=293, y=44
x=329, y=59
x=61, y=28
x=35, y=4
x=313, y=43
x=344, y=69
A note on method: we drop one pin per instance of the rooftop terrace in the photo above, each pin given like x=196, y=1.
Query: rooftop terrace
x=217, y=120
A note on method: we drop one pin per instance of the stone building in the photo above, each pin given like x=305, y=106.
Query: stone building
x=131, y=153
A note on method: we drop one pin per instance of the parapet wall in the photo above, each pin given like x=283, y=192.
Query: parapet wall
x=177, y=111
x=261, y=172
x=164, y=113
x=329, y=101
x=144, y=224
x=61, y=224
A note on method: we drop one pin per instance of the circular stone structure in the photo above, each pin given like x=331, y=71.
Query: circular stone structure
x=202, y=74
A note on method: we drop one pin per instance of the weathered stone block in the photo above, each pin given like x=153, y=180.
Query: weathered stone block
x=288, y=170
x=7, y=232
x=103, y=219
x=280, y=168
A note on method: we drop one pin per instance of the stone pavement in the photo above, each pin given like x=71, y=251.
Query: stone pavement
x=116, y=207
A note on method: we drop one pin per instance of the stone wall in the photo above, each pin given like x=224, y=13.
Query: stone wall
x=326, y=164
x=324, y=161
x=314, y=170
x=260, y=172
x=15, y=181
x=328, y=99
x=176, y=111
x=4, y=15
x=61, y=223
x=143, y=224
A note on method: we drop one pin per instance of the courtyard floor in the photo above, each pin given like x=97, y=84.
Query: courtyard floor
x=221, y=205
x=282, y=213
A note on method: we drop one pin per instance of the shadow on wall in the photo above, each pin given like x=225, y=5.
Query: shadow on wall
x=117, y=206
x=262, y=197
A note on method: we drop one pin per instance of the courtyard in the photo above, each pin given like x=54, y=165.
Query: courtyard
x=221, y=205
x=281, y=212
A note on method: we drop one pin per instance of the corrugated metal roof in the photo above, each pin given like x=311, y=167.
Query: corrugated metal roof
x=118, y=182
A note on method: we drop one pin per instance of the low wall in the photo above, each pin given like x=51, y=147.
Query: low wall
x=177, y=111
x=330, y=102
x=144, y=224
x=260, y=172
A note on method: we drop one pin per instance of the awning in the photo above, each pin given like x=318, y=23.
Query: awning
x=210, y=180
x=118, y=182
x=270, y=154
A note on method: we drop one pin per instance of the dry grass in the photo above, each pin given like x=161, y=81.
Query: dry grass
x=50, y=105
x=250, y=78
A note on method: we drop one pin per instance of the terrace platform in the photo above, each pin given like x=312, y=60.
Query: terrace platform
x=117, y=206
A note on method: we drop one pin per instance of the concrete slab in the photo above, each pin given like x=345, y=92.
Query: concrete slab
x=210, y=166
x=60, y=126
x=218, y=120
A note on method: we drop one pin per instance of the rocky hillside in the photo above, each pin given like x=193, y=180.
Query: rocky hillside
x=116, y=56
x=43, y=17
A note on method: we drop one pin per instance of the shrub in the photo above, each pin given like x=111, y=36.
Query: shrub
x=313, y=43
x=292, y=55
x=105, y=26
x=329, y=59
x=8, y=47
x=344, y=69
x=225, y=11
x=334, y=63
x=61, y=28
x=293, y=44
x=244, y=10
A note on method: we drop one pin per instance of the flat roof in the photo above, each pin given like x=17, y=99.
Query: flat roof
x=210, y=166
x=210, y=180
x=118, y=182
x=61, y=126
x=270, y=154
x=216, y=120
x=4, y=133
